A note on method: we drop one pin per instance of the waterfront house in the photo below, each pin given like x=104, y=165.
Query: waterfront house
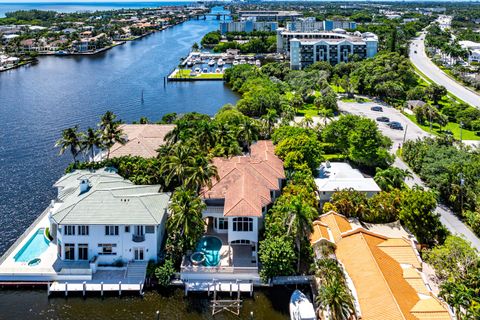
x=143, y=140
x=103, y=217
x=335, y=176
x=236, y=205
x=384, y=273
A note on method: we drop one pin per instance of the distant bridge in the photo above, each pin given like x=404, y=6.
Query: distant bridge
x=218, y=16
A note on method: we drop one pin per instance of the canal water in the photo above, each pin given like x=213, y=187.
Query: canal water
x=38, y=101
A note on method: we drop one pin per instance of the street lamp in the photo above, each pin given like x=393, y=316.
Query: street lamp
x=462, y=183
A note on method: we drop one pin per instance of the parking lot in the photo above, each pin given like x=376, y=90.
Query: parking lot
x=410, y=130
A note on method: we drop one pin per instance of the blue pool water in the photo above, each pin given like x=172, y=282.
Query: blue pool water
x=210, y=246
x=33, y=248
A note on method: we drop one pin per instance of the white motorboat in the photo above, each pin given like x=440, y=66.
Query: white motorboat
x=235, y=62
x=190, y=63
x=257, y=63
x=243, y=61
x=197, y=70
x=300, y=307
x=218, y=70
x=220, y=62
x=205, y=70
x=211, y=63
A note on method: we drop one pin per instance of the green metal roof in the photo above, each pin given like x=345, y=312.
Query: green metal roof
x=110, y=200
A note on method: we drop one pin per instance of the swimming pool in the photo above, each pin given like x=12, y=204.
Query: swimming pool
x=34, y=247
x=210, y=246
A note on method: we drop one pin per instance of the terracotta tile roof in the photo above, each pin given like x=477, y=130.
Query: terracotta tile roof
x=320, y=232
x=246, y=181
x=401, y=250
x=143, y=140
x=337, y=224
x=384, y=271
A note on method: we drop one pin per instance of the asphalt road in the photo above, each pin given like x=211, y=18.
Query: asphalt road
x=424, y=64
x=411, y=132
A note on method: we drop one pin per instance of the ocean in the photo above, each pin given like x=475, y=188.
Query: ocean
x=85, y=6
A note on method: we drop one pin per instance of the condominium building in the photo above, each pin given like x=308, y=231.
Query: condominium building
x=269, y=15
x=305, y=48
x=310, y=25
x=248, y=25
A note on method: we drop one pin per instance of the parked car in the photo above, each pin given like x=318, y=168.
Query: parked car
x=395, y=125
x=377, y=108
x=383, y=119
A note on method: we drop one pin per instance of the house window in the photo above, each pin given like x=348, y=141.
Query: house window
x=69, y=251
x=240, y=242
x=82, y=251
x=127, y=229
x=69, y=230
x=222, y=223
x=83, y=230
x=111, y=230
x=107, y=248
x=149, y=229
x=242, y=224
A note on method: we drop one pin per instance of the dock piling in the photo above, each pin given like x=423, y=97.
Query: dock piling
x=84, y=288
x=119, y=288
x=66, y=288
x=101, y=288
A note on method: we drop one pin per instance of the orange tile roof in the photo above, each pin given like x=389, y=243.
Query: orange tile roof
x=246, y=181
x=337, y=224
x=385, y=289
x=143, y=140
x=320, y=232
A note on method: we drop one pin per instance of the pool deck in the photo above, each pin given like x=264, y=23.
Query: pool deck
x=11, y=270
x=69, y=276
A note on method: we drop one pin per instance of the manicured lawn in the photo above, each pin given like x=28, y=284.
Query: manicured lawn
x=185, y=73
x=307, y=112
x=333, y=157
x=453, y=127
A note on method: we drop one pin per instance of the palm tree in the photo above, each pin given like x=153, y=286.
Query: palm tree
x=269, y=120
x=202, y=173
x=186, y=216
x=179, y=164
x=335, y=298
x=91, y=141
x=110, y=131
x=299, y=221
x=71, y=139
x=226, y=142
x=248, y=132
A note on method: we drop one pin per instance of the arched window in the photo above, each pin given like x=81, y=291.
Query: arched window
x=242, y=224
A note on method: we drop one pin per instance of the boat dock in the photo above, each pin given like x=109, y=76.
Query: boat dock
x=219, y=286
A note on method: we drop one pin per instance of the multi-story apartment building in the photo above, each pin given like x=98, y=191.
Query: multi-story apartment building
x=269, y=15
x=305, y=48
x=310, y=25
x=248, y=25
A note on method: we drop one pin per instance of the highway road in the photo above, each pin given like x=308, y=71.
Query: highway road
x=420, y=59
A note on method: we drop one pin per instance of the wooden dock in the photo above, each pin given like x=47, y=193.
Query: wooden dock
x=219, y=286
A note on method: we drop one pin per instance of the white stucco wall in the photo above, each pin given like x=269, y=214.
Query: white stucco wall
x=125, y=245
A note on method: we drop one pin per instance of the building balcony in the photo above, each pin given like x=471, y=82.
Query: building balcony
x=138, y=237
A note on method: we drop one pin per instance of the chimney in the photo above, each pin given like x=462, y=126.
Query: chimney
x=84, y=186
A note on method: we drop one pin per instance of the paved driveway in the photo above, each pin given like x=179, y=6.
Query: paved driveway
x=424, y=64
x=411, y=132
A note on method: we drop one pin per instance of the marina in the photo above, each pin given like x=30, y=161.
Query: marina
x=198, y=66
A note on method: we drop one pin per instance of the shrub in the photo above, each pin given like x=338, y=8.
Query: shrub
x=164, y=273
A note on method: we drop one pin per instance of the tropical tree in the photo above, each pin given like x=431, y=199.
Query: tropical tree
x=111, y=132
x=299, y=219
x=71, y=139
x=391, y=178
x=337, y=299
x=185, y=225
x=92, y=140
x=248, y=132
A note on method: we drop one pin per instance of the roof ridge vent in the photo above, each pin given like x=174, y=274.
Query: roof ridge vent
x=85, y=186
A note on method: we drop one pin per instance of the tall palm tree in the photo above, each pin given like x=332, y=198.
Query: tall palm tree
x=269, y=121
x=202, y=173
x=71, y=139
x=91, y=141
x=248, y=132
x=110, y=131
x=335, y=298
x=299, y=221
x=226, y=142
x=186, y=216
x=179, y=164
